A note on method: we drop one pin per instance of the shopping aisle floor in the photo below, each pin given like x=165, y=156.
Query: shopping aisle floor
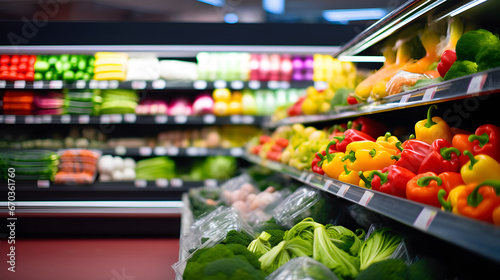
x=90, y=259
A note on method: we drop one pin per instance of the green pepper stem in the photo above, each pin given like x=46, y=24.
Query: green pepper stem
x=473, y=160
x=412, y=136
x=329, y=156
x=424, y=181
x=399, y=146
x=339, y=138
x=446, y=152
x=430, y=122
x=386, y=136
x=396, y=157
x=347, y=172
x=351, y=156
x=475, y=198
x=383, y=176
x=368, y=181
x=322, y=157
x=446, y=204
x=349, y=124
x=373, y=152
x=483, y=139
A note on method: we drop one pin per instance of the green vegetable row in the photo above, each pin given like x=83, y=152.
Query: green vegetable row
x=64, y=67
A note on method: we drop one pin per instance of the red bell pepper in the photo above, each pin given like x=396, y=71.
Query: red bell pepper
x=351, y=100
x=369, y=126
x=416, y=145
x=256, y=149
x=462, y=143
x=486, y=140
x=424, y=188
x=448, y=57
x=282, y=142
x=442, y=157
x=391, y=180
x=296, y=109
x=273, y=155
x=412, y=156
x=351, y=135
x=263, y=139
x=317, y=163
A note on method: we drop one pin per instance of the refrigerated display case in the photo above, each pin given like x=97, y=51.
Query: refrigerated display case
x=463, y=244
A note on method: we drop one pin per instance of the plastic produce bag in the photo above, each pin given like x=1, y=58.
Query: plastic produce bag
x=212, y=229
x=264, y=206
x=178, y=70
x=306, y=202
x=402, y=79
x=302, y=268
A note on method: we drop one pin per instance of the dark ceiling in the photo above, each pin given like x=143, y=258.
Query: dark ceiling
x=248, y=11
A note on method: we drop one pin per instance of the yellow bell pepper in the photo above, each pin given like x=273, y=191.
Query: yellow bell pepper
x=349, y=176
x=480, y=168
x=451, y=202
x=432, y=128
x=367, y=155
x=388, y=141
x=333, y=165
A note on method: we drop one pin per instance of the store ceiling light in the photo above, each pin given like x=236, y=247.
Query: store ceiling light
x=462, y=9
x=231, y=18
x=274, y=6
x=346, y=15
x=359, y=58
x=217, y=3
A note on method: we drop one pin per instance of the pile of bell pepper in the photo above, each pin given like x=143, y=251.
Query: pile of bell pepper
x=444, y=167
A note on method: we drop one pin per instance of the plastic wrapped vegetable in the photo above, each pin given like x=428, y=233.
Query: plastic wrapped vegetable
x=302, y=268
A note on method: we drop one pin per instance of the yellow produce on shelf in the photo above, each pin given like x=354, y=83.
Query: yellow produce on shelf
x=110, y=66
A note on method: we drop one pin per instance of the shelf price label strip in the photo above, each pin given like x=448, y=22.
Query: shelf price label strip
x=425, y=218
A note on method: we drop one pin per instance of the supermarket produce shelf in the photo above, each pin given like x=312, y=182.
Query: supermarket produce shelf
x=132, y=119
x=172, y=151
x=152, y=85
x=94, y=208
x=478, y=85
x=167, y=185
x=473, y=235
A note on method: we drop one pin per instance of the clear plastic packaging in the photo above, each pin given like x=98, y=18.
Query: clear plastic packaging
x=302, y=268
x=307, y=202
x=212, y=229
x=401, y=251
x=401, y=80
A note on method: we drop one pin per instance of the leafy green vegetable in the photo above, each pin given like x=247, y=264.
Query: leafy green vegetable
x=283, y=252
x=378, y=247
x=232, y=261
x=390, y=269
x=220, y=167
x=236, y=237
x=345, y=239
x=260, y=245
x=324, y=250
x=276, y=236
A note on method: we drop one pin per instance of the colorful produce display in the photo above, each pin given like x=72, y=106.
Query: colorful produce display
x=64, y=67
x=430, y=167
